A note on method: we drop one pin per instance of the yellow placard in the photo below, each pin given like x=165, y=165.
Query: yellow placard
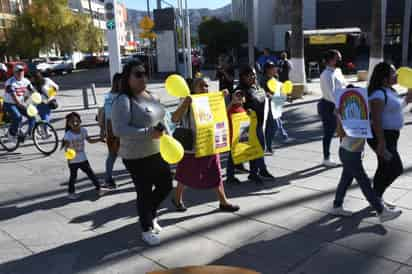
x=245, y=143
x=212, y=126
x=327, y=39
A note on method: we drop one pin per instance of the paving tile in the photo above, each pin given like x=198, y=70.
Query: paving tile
x=339, y=260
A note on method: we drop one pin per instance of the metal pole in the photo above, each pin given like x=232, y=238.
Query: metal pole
x=406, y=32
x=188, y=42
x=93, y=89
x=85, y=98
x=180, y=8
x=251, y=33
x=159, y=4
x=91, y=11
x=113, y=41
x=148, y=8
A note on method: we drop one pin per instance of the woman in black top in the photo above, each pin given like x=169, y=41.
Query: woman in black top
x=255, y=100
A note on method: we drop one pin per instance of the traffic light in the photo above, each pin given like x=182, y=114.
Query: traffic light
x=110, y=16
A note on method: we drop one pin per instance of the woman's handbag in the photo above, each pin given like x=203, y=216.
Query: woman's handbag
x=185, y=135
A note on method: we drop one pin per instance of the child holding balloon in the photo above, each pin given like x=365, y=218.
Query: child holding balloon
x=74, y=143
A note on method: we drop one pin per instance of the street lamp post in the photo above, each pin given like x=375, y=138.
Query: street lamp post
x=188, y=41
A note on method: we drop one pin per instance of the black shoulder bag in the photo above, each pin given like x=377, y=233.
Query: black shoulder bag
x=185, y=135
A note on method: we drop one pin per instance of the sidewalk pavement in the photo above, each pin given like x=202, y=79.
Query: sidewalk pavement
x=282, y=227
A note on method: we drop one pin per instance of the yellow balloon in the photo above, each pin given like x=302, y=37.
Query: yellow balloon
x=177, y=86
x=272, y=85
x=36, y=98
x=287, y=87
x=32, y=110
x=170, y=149
x=405, y=77
x=70, y=154
x=51, y=92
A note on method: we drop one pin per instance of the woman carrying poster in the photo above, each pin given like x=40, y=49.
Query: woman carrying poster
x=203, y=172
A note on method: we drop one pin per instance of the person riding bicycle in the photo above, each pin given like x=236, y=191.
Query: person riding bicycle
x=17, y=89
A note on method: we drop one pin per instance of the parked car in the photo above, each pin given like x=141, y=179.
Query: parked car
x=10, y=69
x=91, y=62
x=43, y=66
x=61, y=66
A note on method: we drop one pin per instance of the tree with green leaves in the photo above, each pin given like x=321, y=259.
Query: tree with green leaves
x=220, y=37
x=47, y=24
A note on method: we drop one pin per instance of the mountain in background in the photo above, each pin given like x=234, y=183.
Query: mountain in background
x=195, y=15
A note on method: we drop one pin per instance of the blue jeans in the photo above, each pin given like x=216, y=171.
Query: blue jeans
x=16, y=116
x=326, y=111
x=258, y=164
x=269, y=131
x=352, y=168
x=44, y=112
x=110, y=160
x=280, y=130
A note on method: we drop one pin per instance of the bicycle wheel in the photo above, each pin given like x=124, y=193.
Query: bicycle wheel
x=9, y=143
x=45, y=138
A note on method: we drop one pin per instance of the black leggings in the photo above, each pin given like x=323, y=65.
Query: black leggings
x=146, y=173
x=387, y=171
x=85, y=167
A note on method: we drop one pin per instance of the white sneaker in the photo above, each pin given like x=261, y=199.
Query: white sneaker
x=73, y=196
x=389, y=214
x=156, y=227
x=329, y=163
x=339, y=211
x=388, y=204
x=151, y=238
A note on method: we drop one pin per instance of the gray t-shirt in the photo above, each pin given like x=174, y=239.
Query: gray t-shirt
x=133, y=123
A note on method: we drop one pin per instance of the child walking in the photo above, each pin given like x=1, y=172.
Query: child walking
x=74, y=138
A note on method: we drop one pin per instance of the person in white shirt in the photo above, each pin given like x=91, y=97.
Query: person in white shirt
x=43, y=86
x=331, y=79
x=17, y=90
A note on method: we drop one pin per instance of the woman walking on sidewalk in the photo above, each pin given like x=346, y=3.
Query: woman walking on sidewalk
x=387, y=121
x=200, y=173
x=350, y=154
x=136, y=115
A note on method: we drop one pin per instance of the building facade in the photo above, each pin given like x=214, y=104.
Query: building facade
x=95, y=8
x=272, y=18
x=8, y=11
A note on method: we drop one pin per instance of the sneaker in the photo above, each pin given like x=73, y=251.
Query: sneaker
x=329, y=163
x=156, y=227
x=388, y=204
x=229, y=208
x=234, y=181
x=287, y=140
x=103, y=190
x=73, y=196
x=240, y=169
x=150, y=237
x=389, y=214
x=110, y=184
x=268, y=152
x=339, y=211
x=266, y=175
x=255, y=178
x=180, y=207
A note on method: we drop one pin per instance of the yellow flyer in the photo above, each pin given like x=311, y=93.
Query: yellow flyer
x=245, y=144
x=212, y=127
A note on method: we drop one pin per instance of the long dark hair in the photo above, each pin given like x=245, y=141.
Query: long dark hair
x=38, y=80
x=70, y=116
x=245, y=70
x=127, y=71
x=381, y=72
x=67, y=127
x=116, y=83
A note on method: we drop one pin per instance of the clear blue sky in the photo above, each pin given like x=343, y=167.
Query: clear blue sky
x=211, y=4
